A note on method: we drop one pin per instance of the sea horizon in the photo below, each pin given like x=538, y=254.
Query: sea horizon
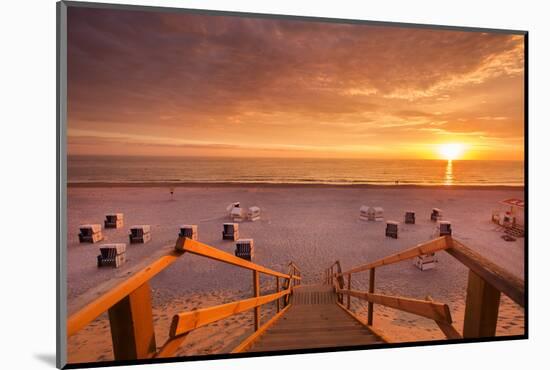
x=114, y=169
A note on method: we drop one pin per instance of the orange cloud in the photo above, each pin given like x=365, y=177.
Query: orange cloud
x=149, y=79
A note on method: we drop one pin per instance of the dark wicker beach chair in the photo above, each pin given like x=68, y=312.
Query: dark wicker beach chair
x=230, y=231
x=410, y=217
x=140, y=234
x=114, y=220
x=245, y=249
x=90, y=233
x=392, y=229
x=111, y=255
x=189, y=231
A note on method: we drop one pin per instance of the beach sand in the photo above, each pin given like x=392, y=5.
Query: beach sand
x=310, y=225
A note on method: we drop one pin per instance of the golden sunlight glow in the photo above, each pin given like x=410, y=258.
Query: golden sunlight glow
x=451, y=151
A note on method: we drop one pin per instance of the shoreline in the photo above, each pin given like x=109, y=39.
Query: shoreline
x=164, y=184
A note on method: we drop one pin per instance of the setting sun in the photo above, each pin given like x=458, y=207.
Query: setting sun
x=451, y=151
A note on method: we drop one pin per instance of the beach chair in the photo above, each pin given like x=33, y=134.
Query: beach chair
x=90, y=233
x=244, y=248
x=364, y=213
x=253, y=213
x=425, y=261
x=189, y=231
x=508, y=220
x=237, y=214
x=230, y=231
x=140, y=234
x=444, y=228
x=376, y=214
x=112, y=255
x=410, y=217
x=436, y=214
x=233, y=205
x=114, y=220
x=392, y=228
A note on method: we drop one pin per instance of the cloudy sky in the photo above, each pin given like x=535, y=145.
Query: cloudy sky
x=148, y=83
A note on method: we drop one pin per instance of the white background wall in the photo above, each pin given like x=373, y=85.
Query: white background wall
x=27, y=144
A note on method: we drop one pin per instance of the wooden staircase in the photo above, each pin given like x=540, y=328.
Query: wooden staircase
x=314, y=320
x=307, y=316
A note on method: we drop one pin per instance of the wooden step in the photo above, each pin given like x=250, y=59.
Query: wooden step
x=315, y=343
x=314, y=320
x=336, y=337
x=318, y=329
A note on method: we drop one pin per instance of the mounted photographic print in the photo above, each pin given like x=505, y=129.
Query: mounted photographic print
x=235, y=184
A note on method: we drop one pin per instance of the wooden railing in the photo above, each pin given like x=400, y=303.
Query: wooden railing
x=486, y=282
x=127, y=299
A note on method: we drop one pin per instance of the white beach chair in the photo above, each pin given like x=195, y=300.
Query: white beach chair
x=425, y=261
x=376, y=214
x=237, y=214
x=230, y=207
x=253, y=213
x=364, y=213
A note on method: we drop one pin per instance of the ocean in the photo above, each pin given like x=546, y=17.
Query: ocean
x=119, y=169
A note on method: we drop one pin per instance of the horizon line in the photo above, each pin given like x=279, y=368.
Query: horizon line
x=268, y=157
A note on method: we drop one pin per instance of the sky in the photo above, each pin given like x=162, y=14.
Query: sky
x=174, y=84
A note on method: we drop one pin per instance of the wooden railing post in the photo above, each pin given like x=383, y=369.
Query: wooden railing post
x=256, y=283
x=482, y=302
x=132, y=330
x=371, y=290
x=278, y=300
x=340, y=281
x=349, y=288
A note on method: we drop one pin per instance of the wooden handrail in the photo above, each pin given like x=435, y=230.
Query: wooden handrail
x=501, y=279
x=127, y=298
x=105, y=296
x=185, y=322
x=486, y=282
x=431, y=246
x=429, y=309
x=191, y=320
x=201, y=249
x=439, y=312
x=296, y=267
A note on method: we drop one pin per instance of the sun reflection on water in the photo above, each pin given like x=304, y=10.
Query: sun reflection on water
x=449, y=179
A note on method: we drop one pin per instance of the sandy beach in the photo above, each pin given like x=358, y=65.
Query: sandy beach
x=310, y=225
